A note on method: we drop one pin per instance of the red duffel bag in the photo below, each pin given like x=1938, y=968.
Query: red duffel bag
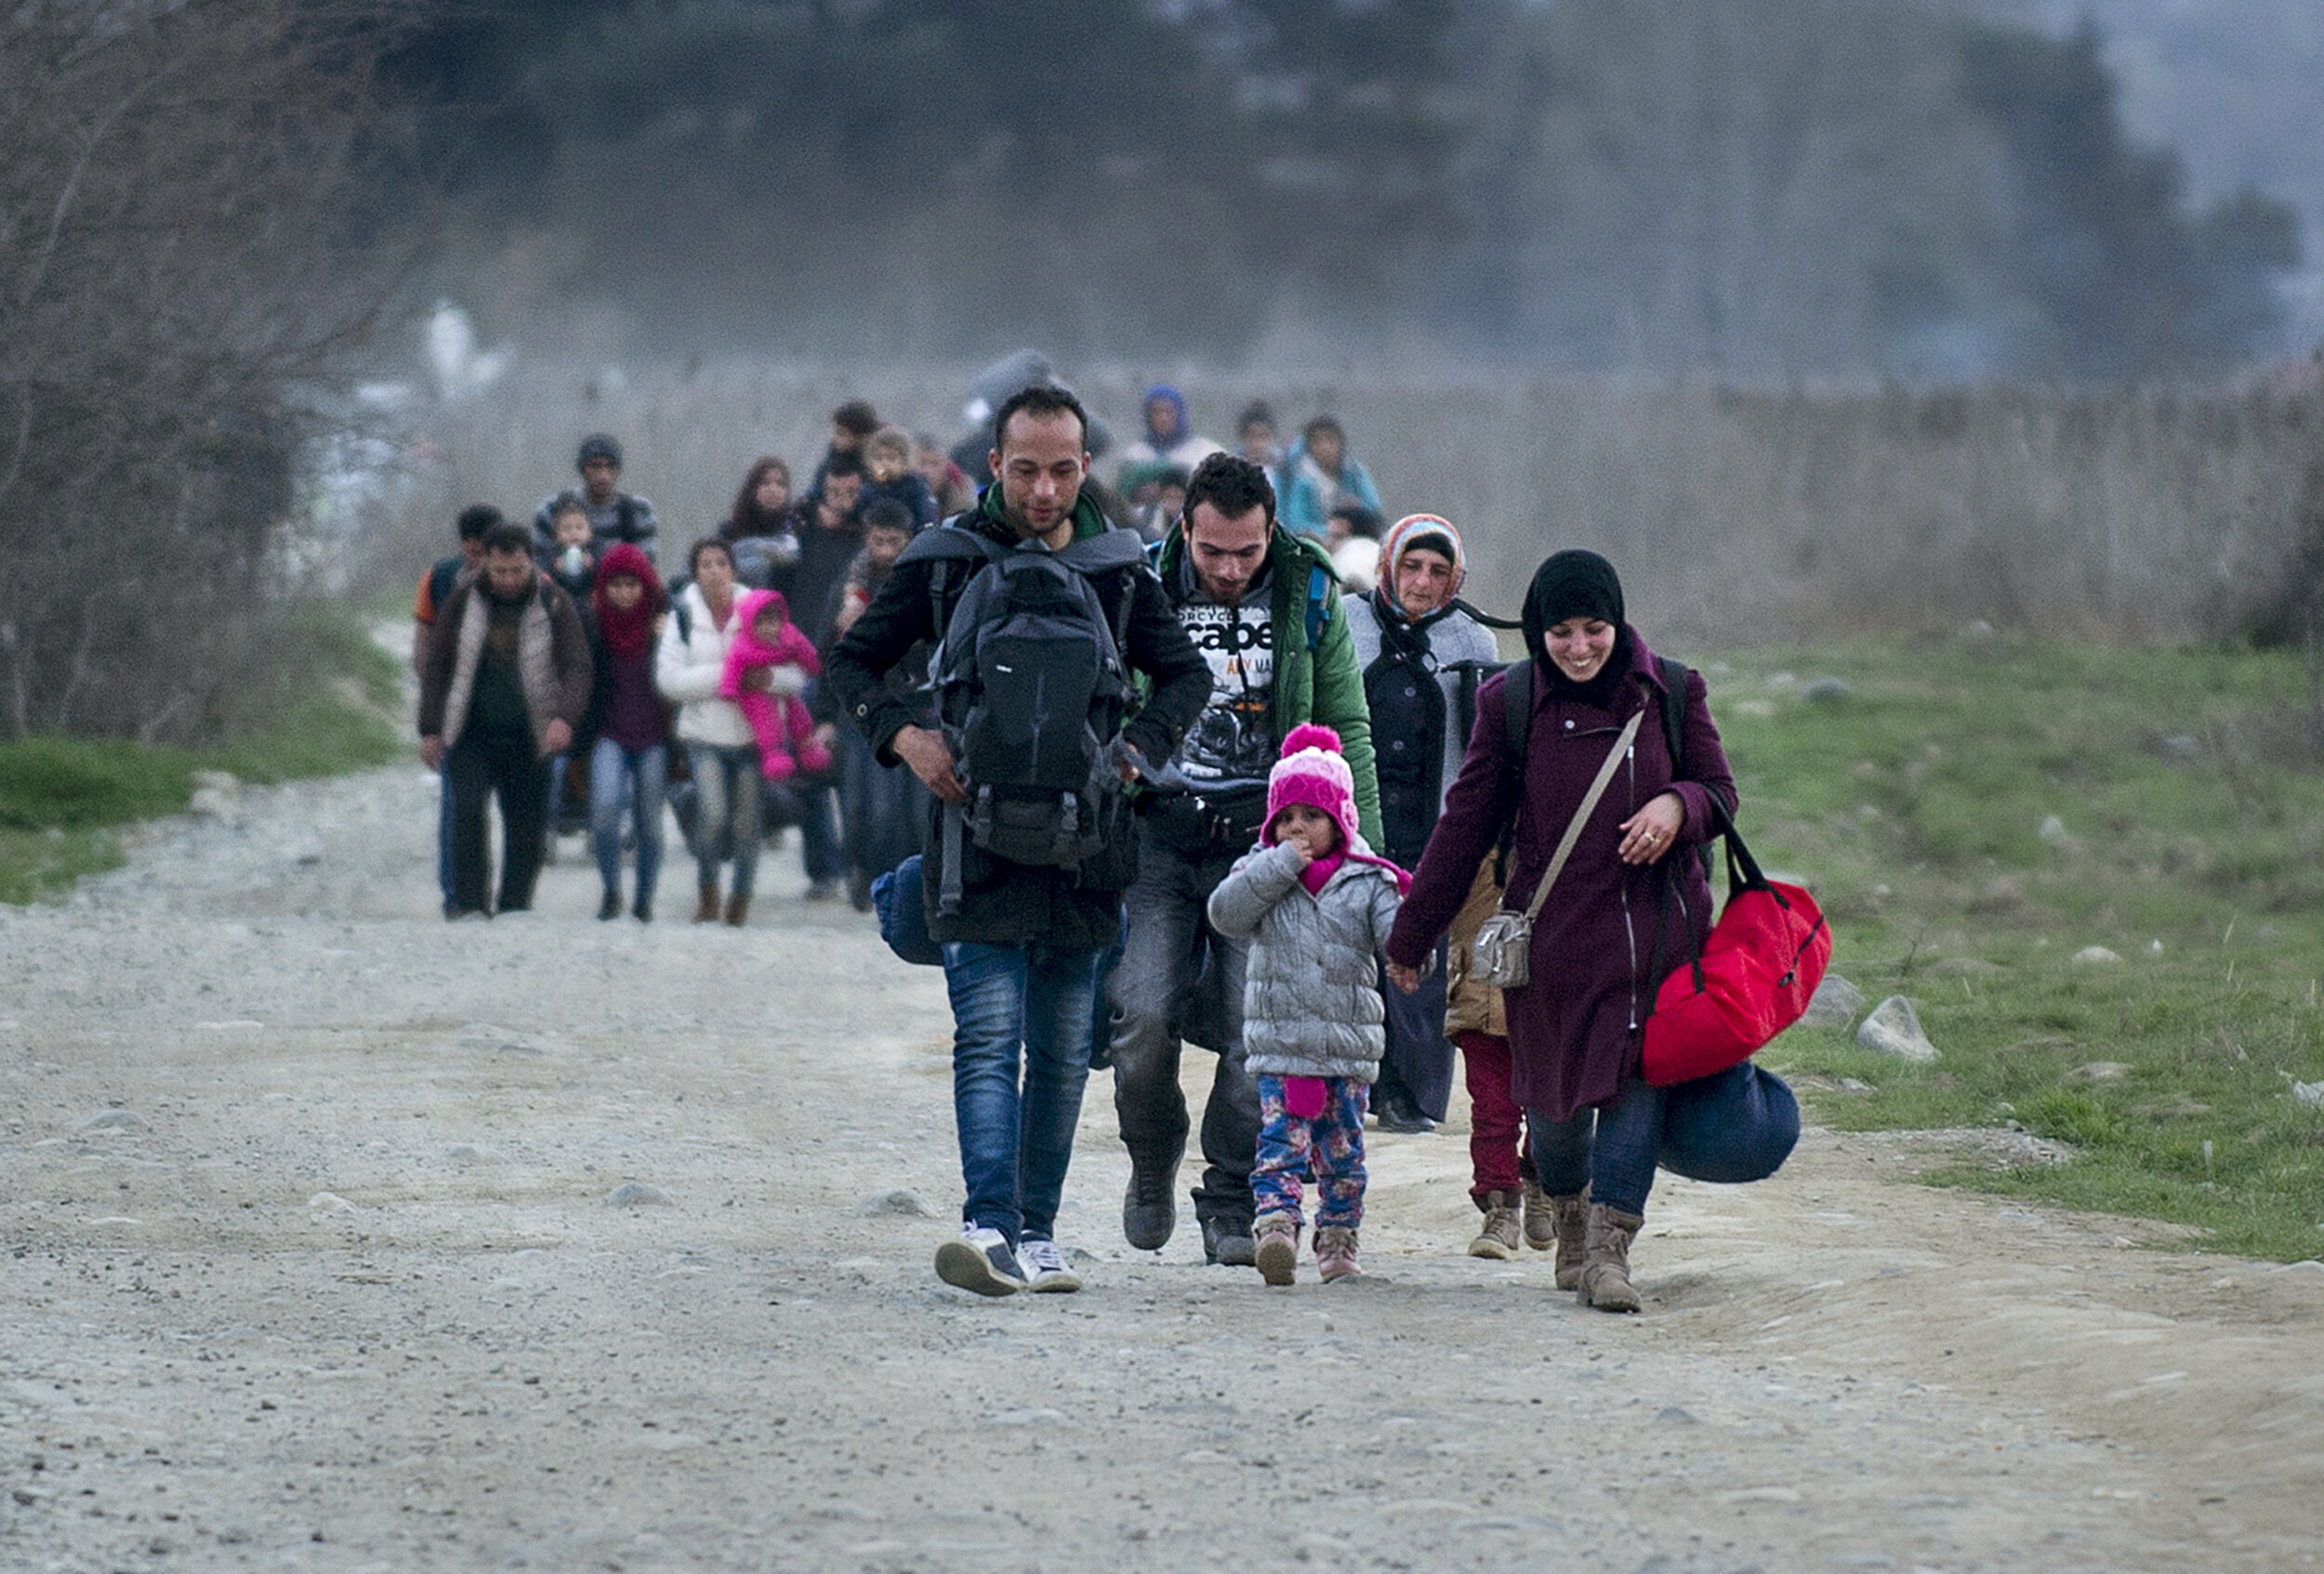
x=1756, y=975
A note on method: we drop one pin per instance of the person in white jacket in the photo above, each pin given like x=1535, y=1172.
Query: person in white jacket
x=721, y=752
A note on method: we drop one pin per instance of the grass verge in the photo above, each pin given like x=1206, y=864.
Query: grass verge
x=61, y=798
x=1974, y=814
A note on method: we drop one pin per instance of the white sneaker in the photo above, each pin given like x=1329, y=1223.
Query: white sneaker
x=1047, y=1272
x=980, y=1261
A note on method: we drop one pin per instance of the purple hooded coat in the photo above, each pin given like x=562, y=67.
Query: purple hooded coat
x=1576, y=1030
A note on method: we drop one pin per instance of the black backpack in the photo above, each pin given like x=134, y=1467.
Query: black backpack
x=441, y=578
x=1032, y=688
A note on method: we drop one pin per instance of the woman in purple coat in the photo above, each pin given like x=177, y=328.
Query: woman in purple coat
x=1633, y=891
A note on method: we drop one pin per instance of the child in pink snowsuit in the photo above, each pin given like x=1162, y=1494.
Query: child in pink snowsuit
x=778, y=717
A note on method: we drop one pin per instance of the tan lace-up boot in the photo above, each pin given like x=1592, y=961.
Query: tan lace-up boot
x=1567, y=1219
x=1501, y=1234
x=1540, y=1226
x=1606, y=1259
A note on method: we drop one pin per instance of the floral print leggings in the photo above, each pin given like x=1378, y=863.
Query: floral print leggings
x=1326, y=1146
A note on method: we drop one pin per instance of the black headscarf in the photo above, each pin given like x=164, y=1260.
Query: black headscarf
x=1576, y=583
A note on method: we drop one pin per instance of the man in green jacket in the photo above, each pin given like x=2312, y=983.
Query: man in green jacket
x=1262, y=607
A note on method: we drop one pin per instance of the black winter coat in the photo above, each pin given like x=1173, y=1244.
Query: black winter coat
x=1006, y=904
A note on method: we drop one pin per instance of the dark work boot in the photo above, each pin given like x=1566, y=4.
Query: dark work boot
x=1149, y=1210
x=1228, y=1242
x=1397, y=1111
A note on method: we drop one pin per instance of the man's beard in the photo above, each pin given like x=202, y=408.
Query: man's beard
x=1026, y=530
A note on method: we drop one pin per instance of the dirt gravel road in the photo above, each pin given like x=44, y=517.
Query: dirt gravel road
x=316, y=1259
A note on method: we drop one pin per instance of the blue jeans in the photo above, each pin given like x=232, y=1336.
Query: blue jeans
x=642, y=771
x=726, y=812
x=560, y=766
x=1016, y=1140
x=1734, y=1126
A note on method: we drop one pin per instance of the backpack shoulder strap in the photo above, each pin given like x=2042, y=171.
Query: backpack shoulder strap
x=439, y=580
x=1319, y=583
x=1517, y=715
x=951, y=540
x=1121, y=554
x=1675, y=676
x=1468, y=677
x=1104, y=552
x=1517, y=732
x=945, y=549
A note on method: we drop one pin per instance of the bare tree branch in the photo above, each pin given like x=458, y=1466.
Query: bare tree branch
x=180, y=294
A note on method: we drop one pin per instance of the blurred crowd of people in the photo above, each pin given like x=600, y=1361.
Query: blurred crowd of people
x=639, y=662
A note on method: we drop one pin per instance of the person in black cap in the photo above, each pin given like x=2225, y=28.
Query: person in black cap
x=851, y=423
x=613, y=515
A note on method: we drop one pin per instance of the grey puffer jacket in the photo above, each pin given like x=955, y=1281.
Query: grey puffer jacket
x=1311, y=987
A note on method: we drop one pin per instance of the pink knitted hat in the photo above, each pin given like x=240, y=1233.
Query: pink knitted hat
x=1311, y=772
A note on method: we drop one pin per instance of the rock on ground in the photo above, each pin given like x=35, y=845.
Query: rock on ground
x=1834, y=1004
x=477, y=1364
x=1893, y=1029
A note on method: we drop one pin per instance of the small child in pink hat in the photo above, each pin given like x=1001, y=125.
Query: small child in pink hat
x=778, y=716
x=1315, y=904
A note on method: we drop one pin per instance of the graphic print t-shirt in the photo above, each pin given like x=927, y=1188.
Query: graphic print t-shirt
x=1234, y=738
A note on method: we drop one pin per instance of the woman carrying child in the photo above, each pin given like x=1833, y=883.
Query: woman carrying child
x=721, y=756
x=1316, y=905
x=630, y=723
x=778, y=716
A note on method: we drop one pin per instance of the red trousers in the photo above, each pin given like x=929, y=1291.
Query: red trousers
x=1497, y=1160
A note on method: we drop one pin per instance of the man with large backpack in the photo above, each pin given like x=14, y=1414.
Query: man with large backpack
x=1262, y=607
x=1041, y=615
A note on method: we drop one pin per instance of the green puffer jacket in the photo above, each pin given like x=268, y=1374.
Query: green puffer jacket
x=1325, y=685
